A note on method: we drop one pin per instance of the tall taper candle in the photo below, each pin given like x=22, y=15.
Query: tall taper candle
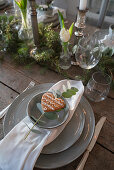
x=83, y=4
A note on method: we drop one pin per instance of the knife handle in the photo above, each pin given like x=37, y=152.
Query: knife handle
x=83, y=161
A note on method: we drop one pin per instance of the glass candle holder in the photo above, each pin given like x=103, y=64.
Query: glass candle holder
x=98, y=87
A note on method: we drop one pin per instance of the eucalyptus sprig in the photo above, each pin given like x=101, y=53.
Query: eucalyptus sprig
x=69, y=91
x=34, y=125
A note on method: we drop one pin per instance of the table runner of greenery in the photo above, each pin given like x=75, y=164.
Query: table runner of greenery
x=49, y=48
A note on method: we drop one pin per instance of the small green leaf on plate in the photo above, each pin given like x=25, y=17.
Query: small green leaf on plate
x=51, y=115
x=66, y=94
x=35, y=131
x=75, y=89
x=71, y=91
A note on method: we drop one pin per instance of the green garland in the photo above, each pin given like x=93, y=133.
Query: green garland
x=49, y=49
x=50, y=46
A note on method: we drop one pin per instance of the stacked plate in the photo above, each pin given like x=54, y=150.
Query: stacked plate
x=70, y=144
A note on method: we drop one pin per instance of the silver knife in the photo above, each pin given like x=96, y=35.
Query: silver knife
x=92, y=143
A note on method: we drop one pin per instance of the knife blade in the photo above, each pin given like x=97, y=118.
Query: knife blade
x=98, y=128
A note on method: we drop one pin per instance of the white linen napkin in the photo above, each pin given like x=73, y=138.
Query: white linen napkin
x=17, y=153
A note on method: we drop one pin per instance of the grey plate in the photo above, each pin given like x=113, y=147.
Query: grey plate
x=63, y=141
x=33, y=110
x=16, y=114
x=63, y=158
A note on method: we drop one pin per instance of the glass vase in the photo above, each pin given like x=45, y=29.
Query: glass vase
x=65, y=58
x=25, y=32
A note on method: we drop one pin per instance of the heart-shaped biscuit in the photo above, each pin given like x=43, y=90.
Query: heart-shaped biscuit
x=50, y=103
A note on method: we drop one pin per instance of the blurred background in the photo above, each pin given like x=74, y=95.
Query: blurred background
x=95, y=8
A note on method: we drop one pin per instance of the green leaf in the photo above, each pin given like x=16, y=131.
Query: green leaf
x=35, y=131
x=22, y=4
x=71, y=29
x=51, y=115
x=10, y=18
x=61, y=19
x=75, y=89
x=66, y=94
x=39, y=106
x=71, y=91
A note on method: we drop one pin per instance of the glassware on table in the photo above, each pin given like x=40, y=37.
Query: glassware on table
x=105, y=36
x=65, y=58
x=25, y=32
x=16, y=9
x=98, y=87
x=88, y=53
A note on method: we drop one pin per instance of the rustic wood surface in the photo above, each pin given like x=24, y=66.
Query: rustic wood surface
x=14, y=79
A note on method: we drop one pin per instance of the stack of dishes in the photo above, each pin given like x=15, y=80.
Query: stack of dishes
x=70, y=144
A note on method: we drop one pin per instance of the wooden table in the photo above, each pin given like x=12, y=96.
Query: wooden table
x=14, y=79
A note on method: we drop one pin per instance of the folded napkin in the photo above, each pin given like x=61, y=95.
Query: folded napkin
x=21, y=154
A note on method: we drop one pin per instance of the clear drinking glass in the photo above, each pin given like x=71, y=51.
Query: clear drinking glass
x=98, y=87
x=88, y=53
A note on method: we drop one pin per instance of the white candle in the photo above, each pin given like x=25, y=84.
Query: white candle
x=83, y=4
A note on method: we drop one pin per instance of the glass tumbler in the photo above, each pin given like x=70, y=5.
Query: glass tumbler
x=98, y=87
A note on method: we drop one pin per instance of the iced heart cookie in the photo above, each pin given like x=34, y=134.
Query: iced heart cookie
x=50, y=103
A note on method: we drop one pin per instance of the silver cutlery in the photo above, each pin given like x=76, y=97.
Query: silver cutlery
x=4, y=111
x=98, y=128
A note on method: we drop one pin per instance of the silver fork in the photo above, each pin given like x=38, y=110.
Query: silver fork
x=4, y=111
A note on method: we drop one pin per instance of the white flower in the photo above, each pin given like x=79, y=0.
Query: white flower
x=64, y=88
x=64, y=35
x=68, y=85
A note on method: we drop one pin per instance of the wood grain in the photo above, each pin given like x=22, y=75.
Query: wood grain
x=13, y=78
x=37, y=73
x=100, y=159
x=104, y=108
x=6, y=96
x=111, y=94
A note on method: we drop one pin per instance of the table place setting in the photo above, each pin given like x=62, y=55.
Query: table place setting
x=26, y=148
x=52, y=125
